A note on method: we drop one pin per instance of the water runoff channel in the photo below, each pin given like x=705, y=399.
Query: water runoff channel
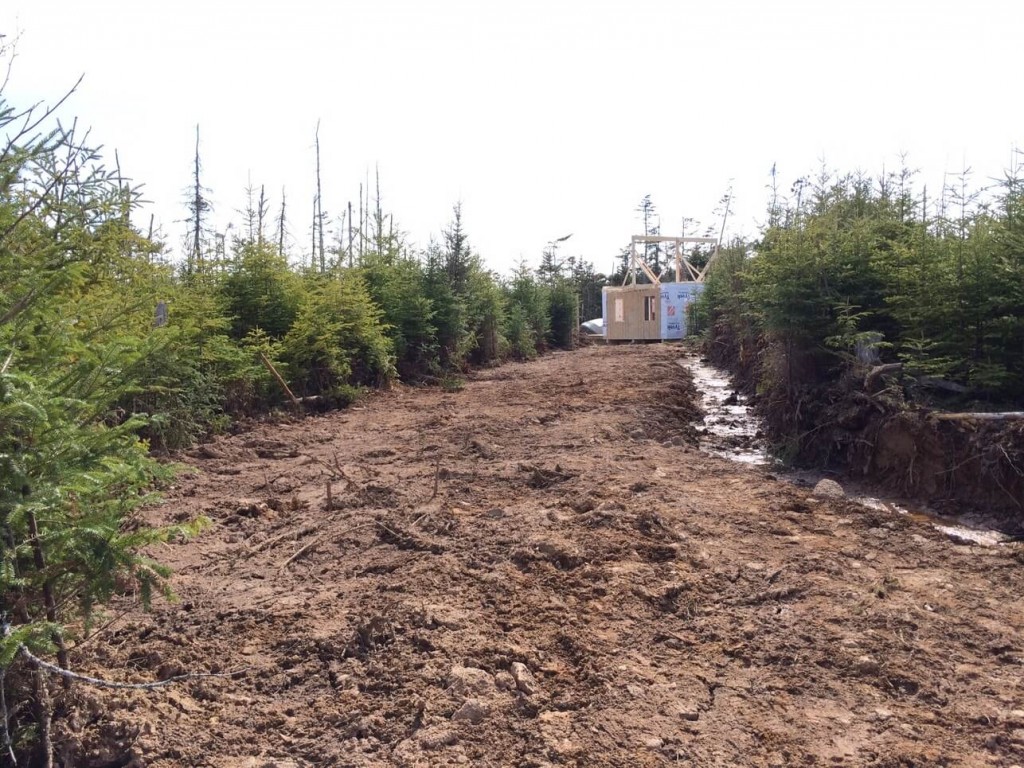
x=732, y=431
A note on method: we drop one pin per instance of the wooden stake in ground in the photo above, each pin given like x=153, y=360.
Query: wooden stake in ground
x=270, y=367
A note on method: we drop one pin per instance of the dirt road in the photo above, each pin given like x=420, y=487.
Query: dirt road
x=540, y=570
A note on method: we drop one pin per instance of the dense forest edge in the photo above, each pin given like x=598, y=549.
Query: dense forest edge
x=880, y=330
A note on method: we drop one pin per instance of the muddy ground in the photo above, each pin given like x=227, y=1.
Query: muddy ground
x=541, y=569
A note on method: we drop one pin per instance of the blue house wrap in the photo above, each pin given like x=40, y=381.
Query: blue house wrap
x=675, y=301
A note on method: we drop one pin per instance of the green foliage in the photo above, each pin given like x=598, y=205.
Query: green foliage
x=449, y=319
x=260, y=291
x=397, y=285
x=69, y=486
x=564, y=315
x=853, y=264
x=527, y=315
x=196, y=374
x=588, y=286
x=466, y=299
x=78, y=291
x=338, y=337
x=485, y=312
x=452, y=383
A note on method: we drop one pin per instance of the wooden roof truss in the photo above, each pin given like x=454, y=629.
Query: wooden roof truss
x=685, y=271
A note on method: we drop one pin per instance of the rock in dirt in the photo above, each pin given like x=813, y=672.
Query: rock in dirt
x=437, y=737
x=525, y=681
x=470, y=681
x=504, y=681
x=472, y=711
x=482, y=449
x=557, y=731
x=582, y=504
x=829, y=489
x=255, y=509
x=690, y=713
x=208, y=452
x=415, y=751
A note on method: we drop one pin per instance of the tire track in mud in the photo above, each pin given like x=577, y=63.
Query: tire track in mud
x=543, y=569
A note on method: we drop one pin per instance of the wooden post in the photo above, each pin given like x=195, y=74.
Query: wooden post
x=270, y=367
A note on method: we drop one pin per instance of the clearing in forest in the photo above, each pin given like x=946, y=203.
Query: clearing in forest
x=541, y=569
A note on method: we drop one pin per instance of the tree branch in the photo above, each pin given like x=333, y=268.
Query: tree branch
x=67, y=674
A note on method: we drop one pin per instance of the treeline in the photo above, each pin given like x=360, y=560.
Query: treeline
x=108, y=352
x=388, y=313
x=188, y=345
x=853, y=272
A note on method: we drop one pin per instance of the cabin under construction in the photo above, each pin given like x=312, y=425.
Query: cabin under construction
x=655, y=311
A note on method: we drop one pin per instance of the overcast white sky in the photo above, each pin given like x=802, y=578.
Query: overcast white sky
x=543, y=118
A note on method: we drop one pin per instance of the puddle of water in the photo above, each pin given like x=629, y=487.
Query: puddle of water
x=959, y=530
x=732, y=432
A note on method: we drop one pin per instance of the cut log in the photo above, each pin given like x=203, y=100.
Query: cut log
x=1005, y=416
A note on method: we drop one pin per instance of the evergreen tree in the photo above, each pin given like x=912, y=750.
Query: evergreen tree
x=75, y=344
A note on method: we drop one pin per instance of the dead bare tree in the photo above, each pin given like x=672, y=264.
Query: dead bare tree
x=250, y=211
x=281, y=224
x=350, y=233
x=378, y=220
x=261, y=214
x=318, y=216
x=362, y=223
x=198, y=207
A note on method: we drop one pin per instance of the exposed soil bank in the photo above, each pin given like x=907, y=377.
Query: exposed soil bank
x=975, y=463
x=864, y=427
x=732, y=430
x=544, y=570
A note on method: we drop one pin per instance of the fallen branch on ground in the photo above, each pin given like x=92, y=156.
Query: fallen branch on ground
x=984, y=416
x=772, y=594
x=286, y=535
x=67, y=674
x=306, y=549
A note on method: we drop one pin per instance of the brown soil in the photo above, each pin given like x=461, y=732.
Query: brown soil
x=539, y=570
x=882, y=431
x=969, y=464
